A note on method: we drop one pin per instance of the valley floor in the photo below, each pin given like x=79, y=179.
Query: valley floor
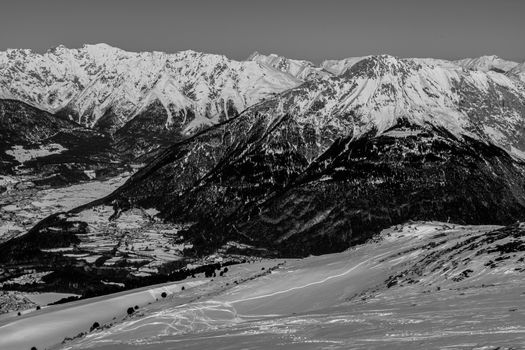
x=417, y=286
x=23, y=204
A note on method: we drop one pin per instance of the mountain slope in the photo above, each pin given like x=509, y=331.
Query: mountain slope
x=418, y=285
x=263, y=191
x=519, y=71
x=55, y=150
x=23, y=125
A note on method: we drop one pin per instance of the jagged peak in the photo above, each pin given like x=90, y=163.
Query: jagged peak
x=257, y=54
x=85, y=47
x=377, y=65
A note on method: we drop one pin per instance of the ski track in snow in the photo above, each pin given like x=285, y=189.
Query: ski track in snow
x=400, y=318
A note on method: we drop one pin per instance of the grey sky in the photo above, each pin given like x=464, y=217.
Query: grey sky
x=314, y=30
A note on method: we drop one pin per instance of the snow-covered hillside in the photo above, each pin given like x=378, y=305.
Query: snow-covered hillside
x=88, y=82
x=420, y=285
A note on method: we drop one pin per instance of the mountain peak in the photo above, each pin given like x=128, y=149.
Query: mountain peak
x=486, y=63
x=99, y=46
x=337, y=67
x=301, y=69
x=57, y=48
x=61, y=48
x=379, y=65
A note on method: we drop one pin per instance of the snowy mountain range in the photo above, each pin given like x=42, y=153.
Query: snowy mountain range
x=105, y=87
x=88, y=83
x=298, y=158
x=148, y=100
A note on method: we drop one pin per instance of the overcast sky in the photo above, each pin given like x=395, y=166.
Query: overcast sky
x=314, y=30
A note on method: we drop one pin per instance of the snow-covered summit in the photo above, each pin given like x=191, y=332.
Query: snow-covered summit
x=486, y=63
x=301, y=69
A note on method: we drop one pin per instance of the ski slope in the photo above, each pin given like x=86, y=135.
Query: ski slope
x=420, y=285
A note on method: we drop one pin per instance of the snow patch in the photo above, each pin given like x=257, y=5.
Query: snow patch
x=23, y=155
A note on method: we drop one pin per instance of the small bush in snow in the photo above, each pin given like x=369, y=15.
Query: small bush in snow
x=94, y=326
